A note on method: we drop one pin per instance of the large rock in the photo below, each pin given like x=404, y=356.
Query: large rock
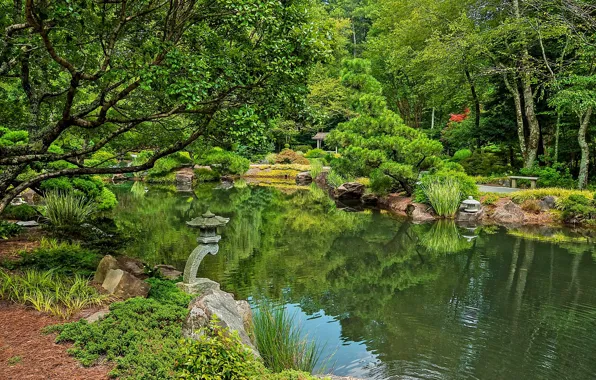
x=469, y=217
x=420, y=213
x=198, y=286
x=230, y=313
x=547, y=203
x=369, y=199
x=107, y=262
x=303, y=179
x=350, y=190
x=167, y=271
x=185, y=176
x=127, y=264
x=507, y=212
x=124, y=285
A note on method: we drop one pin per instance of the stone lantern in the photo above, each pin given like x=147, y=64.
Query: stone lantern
x=208, y=244
x=471, y=205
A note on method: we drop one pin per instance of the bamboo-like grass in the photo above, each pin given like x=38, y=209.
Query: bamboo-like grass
x=281, y=342
x=60, y=296
x=66, y=208
x=444, y=195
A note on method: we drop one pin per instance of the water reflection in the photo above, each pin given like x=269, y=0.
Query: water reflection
x=395, y=300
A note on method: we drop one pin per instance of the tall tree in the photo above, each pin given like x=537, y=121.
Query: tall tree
x=118, y=75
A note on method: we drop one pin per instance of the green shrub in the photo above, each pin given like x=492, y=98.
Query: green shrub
x=62, y=258
x=444, y=194
x=315, y=153
x=280, y=341
x=167, y=164
x=577, y=208
x=20, y=212
x=380, y=184
x=302, y=148
x=67, y=208
x=8, y=229
x=106, y=200
x=48, y=292
x=557, y=175
x=217, y=354
x=271, y=158
x=140, y=335
x=90, y=187
x=485, y=162
x=462, y=154
x=206, y=175
x=490, y=199
x=226, y=163
x=288, y=156
x=467, y=184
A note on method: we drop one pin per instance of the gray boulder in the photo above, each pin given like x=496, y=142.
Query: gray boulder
x=303, y=179
x=198, y=286
x=231, y=314
x=420, y=213
x=369, y=199
x=350, y=190
x=124, y=285
x=547, y=203
x=107, y=262
x=508, y=213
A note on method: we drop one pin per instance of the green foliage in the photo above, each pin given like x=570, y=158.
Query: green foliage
x=316, y=168
x=577, y=208
x=106, y=200
x=217, y=354
x=443, y=193
x=484, y=162
x=288, y=156
x=166, y=165
x=557, y=175
x=206, y=175
x=66, y=208
x=315, y=153
x=462, y=154
x=20, y=212
x=10, y=138
x=377, y=138
x=490, y=199
x=466, y=184
x=8, y=229
x=380, y=184
x=140, y=335
x=48, y=292
x=302, y=148
x=89, y=187
x=62, y=258
x=281, y=342
x=335, y=180
x=226, y=163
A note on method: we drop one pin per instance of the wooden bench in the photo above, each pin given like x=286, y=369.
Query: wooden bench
x=514, y=179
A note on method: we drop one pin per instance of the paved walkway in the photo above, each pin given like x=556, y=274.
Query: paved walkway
x=496, y=189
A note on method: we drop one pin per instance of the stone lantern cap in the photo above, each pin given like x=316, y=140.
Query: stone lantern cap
x=471, y=205
x=208, y=220
x=471, y=201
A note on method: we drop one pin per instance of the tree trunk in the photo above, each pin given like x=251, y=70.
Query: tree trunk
x=519, y=114
x=585, y=150
x=476, y=106
x=534, y=126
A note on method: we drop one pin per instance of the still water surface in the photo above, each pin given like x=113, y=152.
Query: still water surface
x=390, y=300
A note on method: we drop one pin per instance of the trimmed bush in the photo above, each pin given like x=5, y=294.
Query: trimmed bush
x=302, y=148
x=315, y=153
x=462, y=154
x=288, y=156
x=20, y=212
x=206, y=175
x=226, y=163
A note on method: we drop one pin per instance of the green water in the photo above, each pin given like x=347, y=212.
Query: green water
x=391, y=300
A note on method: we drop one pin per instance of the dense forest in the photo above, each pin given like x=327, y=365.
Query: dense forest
x=500, y=86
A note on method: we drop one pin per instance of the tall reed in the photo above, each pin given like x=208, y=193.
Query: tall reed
x=443, y=194
x=281, y=342
x=316, y=168
x=47, y=292
x=335, y=179
x=66, y=208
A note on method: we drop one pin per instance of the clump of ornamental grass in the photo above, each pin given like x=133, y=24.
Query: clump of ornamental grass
x=281, y=342
x=58, y=295
x=335, y=179
x=316, y=168
x=444, y=195
x=67, y=209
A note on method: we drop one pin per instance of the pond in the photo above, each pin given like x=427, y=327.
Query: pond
x=390, y=299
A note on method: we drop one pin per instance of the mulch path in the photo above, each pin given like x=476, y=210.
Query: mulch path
x=27, y=353
x=27, y=240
